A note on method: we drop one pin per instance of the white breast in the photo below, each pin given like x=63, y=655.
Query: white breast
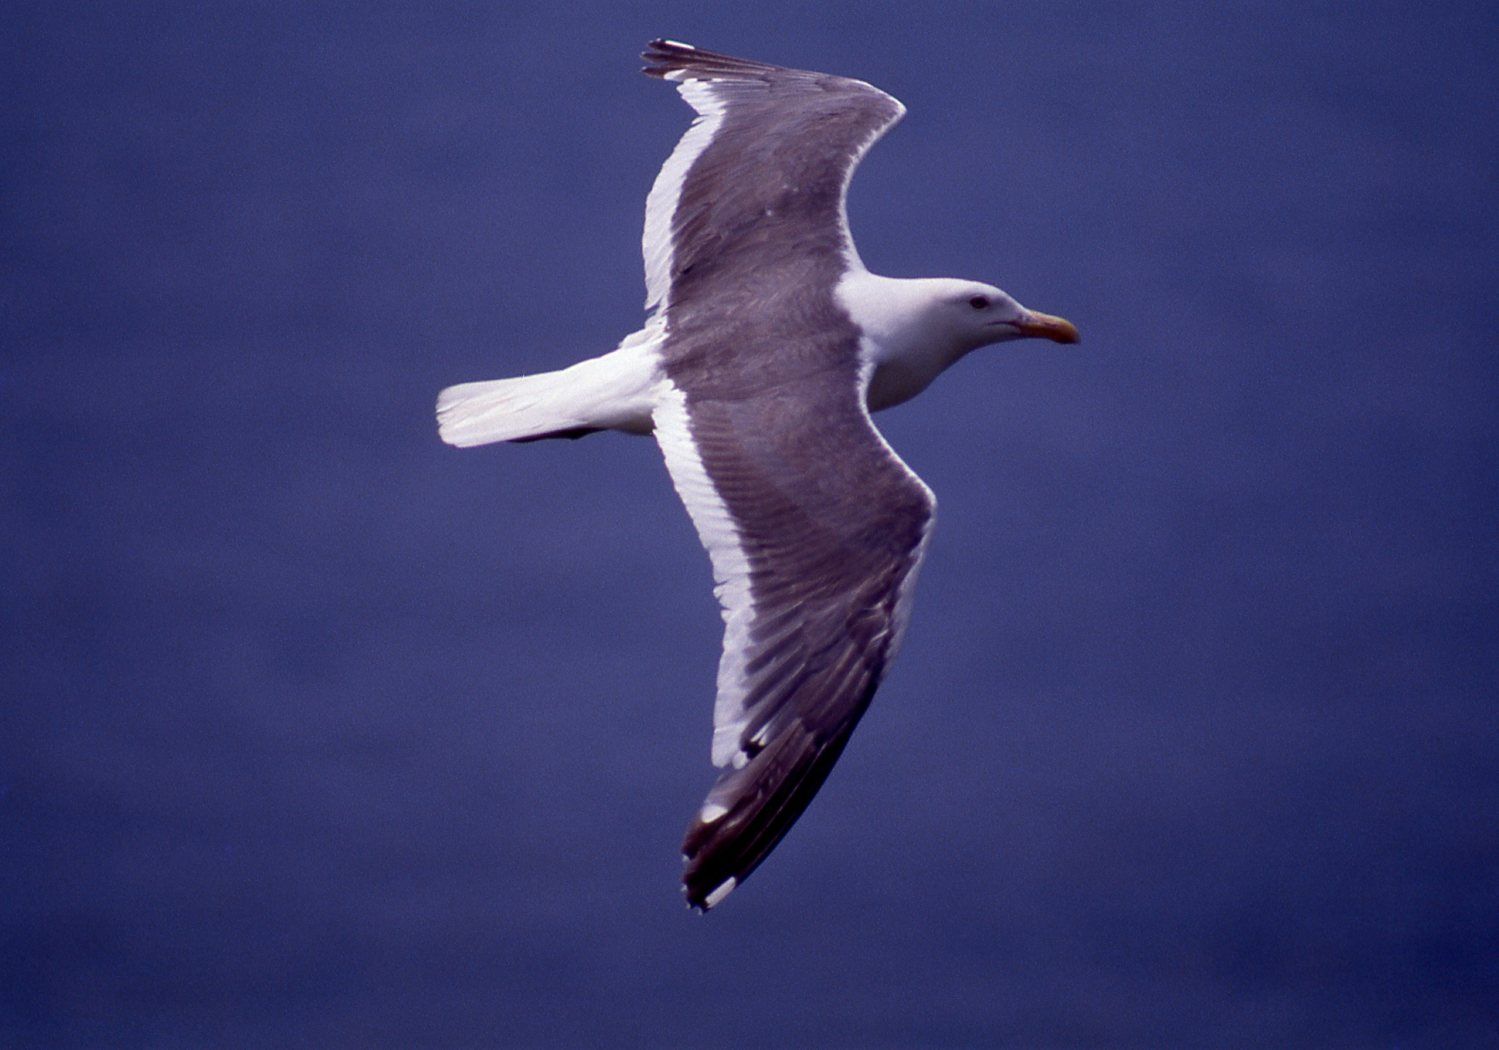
x=902, y=355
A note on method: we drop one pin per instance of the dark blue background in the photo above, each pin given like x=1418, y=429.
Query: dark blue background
x=317, y=732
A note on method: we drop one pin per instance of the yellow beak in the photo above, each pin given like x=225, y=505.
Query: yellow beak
x=1045, y=326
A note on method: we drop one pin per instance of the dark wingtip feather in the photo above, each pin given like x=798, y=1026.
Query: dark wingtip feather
x=769, y=794
x=664, y=57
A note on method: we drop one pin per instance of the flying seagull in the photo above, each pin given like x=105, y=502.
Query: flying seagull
x=769, y=346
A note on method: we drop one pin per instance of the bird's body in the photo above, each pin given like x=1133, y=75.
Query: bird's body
x=770, y=345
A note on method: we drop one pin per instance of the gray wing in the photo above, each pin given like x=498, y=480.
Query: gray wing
x=769, y=143
x=816, y=531
x=815, y=528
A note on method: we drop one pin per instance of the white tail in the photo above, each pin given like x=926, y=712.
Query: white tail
x=613, y=392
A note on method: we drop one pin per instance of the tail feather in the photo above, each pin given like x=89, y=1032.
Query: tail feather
x=527, y=407
x=613, y=392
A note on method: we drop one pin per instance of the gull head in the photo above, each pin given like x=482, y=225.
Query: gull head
x=942, y=318
x=914, y=329
x=972, y=314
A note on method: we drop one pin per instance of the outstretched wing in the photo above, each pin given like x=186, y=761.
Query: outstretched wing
x=815, y=528
x=816, y=531
x=766, y=139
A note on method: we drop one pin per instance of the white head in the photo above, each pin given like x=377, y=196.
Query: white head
x=941, y=318
x=972, y=314
x=914, y=329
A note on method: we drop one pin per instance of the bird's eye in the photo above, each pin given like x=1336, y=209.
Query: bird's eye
x=979, y=302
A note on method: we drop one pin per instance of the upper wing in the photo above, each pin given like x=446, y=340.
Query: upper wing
x=816, y=531
x=766, y=140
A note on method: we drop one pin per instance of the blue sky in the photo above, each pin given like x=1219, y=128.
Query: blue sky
x=319, y=730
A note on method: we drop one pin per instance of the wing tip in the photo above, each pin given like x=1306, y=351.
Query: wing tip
x=673, y=60
x=662, y=57
x=702, y=903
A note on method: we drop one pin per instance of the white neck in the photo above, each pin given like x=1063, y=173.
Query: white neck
x=902, y=352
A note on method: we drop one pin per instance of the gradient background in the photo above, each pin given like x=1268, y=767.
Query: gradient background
x=317, y=732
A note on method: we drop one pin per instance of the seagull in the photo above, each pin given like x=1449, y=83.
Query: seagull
x=768, y=347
